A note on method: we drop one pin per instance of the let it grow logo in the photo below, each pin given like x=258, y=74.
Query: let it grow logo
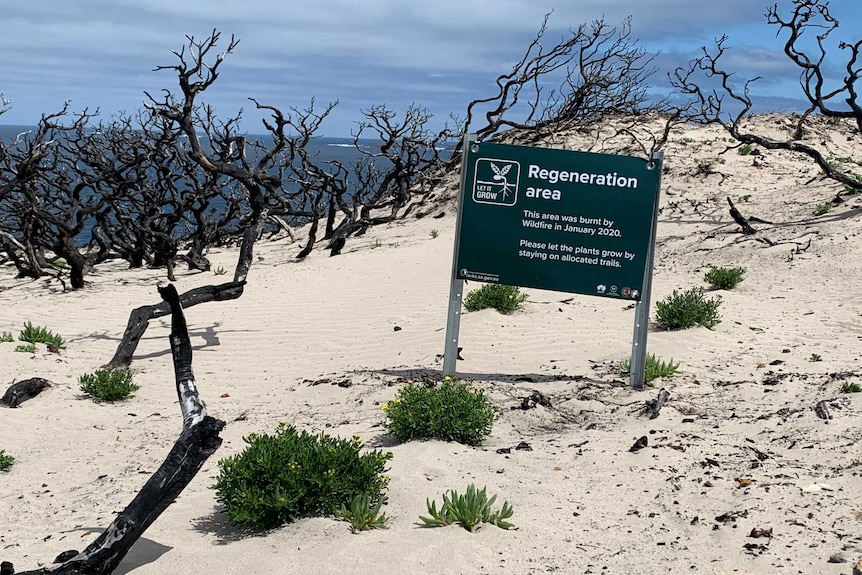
x=496, y=181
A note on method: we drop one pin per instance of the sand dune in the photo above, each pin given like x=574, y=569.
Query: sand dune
x=743, y=406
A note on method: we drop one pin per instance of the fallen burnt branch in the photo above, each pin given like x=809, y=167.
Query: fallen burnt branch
x=20, y=392
x=140, y=318
x=737, y=217
x=653, y=407
x=198, y=440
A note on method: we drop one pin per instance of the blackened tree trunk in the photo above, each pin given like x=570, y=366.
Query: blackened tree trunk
x=198, y=440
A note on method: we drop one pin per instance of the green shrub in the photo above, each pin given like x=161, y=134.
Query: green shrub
x=451, y=411
x=6, y=337
x=745, y=149
x=108, y=384
x=38, y=334
x=688, y=309
x=815, y=357
x=29, y=348
x=503, y=298
x=279, y=478
x=823, y=208
x=653, y=368
x=848, y=387
x=6, y=461
x=469, y=510
x=434, y=234
x=362, y=515
x=855, y=189
x=724, y=278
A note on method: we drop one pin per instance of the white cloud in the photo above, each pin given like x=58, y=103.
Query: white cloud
x=442, y=53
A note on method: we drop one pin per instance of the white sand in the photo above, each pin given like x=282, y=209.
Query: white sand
x=583, y=503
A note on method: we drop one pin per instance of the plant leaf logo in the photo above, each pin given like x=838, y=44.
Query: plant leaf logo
x=500, y=176
x=495, y=181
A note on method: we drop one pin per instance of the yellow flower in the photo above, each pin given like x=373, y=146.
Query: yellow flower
x=447, y=378
x=385, y=406
x=396, y=400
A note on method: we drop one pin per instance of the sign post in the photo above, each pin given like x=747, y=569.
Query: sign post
x=637, y=364
x=456, y=287
x=558, y=220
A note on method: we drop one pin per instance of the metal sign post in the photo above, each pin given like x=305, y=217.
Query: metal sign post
x=456, y=287
x=637, y=364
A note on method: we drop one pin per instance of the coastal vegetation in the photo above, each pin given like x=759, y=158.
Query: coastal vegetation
x=452, y=410
x=469, y=510
x=654, y=368
x=291, y=474
x=6, y=461
x=175, y=177
x=682, y=310
x=503, y=298
x=39, y=334
x=721, y=277
x=108, y=384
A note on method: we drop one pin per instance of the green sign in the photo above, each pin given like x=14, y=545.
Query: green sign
x=556, y=219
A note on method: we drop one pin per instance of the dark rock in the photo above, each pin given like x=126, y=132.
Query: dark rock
x=639, y=444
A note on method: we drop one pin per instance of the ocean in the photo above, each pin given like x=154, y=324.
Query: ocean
x=323, y=149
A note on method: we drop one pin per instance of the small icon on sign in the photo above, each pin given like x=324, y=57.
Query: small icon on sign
x=627, y=292
x=613, y=289
x=495, y=181
x=601, y=288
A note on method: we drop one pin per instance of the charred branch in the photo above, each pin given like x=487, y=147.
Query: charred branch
x=739, y=219
x=198, y=440
x=140, y=317
x=729, y=103
x=21, y=391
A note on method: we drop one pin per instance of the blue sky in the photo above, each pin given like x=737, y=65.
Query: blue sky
x=440, y=54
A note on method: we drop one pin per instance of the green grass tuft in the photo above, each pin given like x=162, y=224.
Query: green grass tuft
x=6, y=461
x=653, y=368
x=451, y=411
x=724, y=278
x=469, y=511
x=362, y=515
x=688, y=309
x=38, y=334
x=291, y=474
x=108, y=384
x=503, y=298
x=823, y=208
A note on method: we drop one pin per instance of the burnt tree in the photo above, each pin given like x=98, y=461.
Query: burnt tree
x=257, y=170
x=728, y=102
x=45, y=205
x=604, y=72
